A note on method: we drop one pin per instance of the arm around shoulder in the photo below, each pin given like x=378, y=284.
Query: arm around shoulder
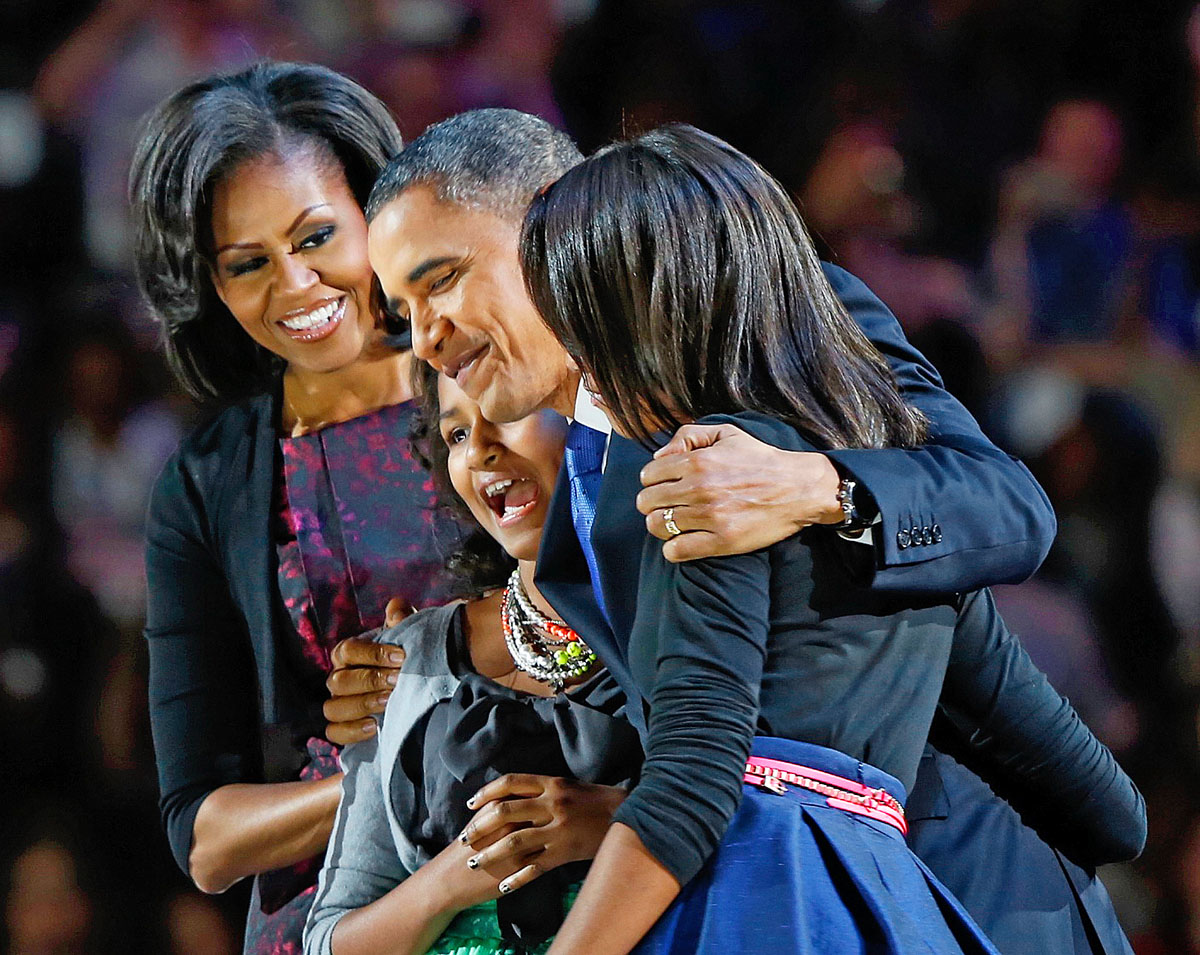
x=958, y=513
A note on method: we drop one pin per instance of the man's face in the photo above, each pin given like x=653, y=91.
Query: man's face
x=454, y=272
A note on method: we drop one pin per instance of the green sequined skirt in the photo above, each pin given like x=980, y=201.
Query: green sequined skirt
x=476, y=931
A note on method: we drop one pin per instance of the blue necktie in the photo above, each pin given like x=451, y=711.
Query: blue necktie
x=583, y=457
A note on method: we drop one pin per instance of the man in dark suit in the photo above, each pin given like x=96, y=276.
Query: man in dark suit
x=957, y=514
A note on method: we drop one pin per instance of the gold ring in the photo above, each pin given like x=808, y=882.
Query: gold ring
x=669, y=522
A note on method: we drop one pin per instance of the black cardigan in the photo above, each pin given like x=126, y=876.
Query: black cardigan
x=224, y=704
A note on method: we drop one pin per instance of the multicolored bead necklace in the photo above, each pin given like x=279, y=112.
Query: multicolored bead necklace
x=549, y=651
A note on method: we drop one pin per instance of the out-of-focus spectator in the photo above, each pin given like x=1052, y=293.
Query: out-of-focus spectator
x=1103, y=471
x=126, y=57
x=196, y=926
x=966, y=82
x=47, y=909
x=856, y=202
x=106, y=454
x=53, y=645
x=1064, y=246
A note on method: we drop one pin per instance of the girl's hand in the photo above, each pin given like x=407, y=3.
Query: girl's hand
x=526, y=825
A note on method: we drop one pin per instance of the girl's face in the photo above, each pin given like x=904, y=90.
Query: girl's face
x=291, y=259
x=504, y=472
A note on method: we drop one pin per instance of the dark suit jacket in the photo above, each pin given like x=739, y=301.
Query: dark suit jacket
x=958, y=514
x=618, y=535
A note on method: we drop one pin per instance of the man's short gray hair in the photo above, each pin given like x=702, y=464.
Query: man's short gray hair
x=497, y=159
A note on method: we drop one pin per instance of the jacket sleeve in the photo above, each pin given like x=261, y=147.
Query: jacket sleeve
x=958, y=513
x=202, y=696
x=362, y=863
x=1028, y=743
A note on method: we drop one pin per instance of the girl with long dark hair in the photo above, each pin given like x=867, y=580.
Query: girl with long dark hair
x=787, y=705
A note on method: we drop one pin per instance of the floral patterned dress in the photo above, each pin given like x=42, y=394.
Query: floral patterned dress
x=357, y=523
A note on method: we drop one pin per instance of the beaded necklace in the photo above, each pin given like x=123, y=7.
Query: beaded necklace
x=547, y=650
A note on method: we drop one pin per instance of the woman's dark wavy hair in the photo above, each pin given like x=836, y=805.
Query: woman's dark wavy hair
x=678, y=272
x=187, y=144
x=479, y=562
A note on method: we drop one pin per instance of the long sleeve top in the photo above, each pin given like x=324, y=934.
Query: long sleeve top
x=783, y=642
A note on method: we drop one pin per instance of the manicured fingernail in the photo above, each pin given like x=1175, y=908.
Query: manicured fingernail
x=471, y=801
x=473, y=862
x=392, y=679
x=463, y=838
x=505, y=887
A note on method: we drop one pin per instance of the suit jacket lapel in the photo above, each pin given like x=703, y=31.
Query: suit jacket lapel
x=562, y=573
x=619, y=534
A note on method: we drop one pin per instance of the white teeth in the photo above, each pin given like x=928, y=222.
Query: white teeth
x=318, y=316
x=497, y=487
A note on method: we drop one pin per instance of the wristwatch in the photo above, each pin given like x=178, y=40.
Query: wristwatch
x=858, y=507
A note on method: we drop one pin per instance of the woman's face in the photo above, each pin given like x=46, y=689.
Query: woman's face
x=291, y=258
x=504, y=472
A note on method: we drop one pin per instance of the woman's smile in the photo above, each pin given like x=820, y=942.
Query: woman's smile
x=314, y=324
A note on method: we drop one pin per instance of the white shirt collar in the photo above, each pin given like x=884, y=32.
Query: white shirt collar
x=587, y=412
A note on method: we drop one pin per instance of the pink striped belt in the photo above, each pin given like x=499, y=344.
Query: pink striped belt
x=774, y=775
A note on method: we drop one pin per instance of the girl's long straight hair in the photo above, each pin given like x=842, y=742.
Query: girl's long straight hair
x=679, y=274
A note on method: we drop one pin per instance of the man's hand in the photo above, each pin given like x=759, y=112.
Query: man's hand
x=732, y=494
x=364, y=673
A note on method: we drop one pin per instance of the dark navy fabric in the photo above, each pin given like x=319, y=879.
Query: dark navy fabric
x=795, y=875
x=1029, y=898
x=996, y=525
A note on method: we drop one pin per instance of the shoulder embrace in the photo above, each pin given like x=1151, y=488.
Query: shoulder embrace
x=765, y=428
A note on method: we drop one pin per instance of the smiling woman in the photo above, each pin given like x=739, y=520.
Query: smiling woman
x=285, y=524
x=295, y=281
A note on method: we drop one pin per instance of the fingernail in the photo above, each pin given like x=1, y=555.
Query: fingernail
x=504, y=887
x=392, y=678
x=471, y=801
x=382, y=699
x=396, y=656
x=463, y=838
x=473, y=863
x=370, y=728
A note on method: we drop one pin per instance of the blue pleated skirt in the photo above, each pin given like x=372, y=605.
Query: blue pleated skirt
x=795, y=875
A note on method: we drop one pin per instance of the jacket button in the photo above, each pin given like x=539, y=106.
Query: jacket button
x=926, y=535
x=936, y=533
x=915, y=535
x=902, y=538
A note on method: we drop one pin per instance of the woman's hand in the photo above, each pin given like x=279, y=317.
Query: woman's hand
x=527, y=825
x=363, y=676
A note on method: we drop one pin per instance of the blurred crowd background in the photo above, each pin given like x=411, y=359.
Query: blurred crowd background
x=1018, y=179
